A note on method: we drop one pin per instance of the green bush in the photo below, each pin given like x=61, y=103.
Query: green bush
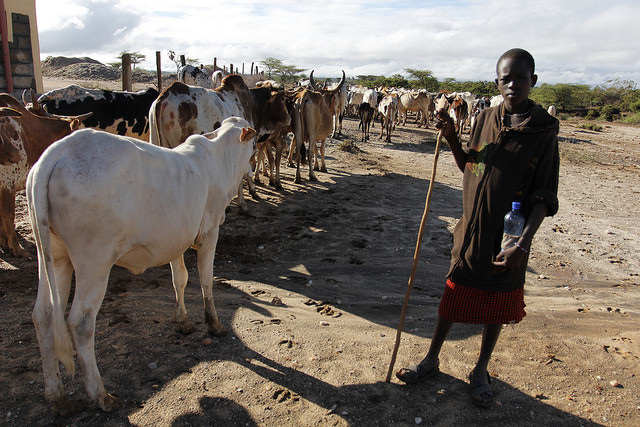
x=592, y=126
x=593, y=114
x=633, y=119
x=609, y=113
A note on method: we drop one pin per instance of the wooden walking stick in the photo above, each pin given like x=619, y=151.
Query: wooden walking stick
x=416, y=255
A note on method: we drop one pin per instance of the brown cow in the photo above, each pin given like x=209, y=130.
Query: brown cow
x=30, y=135
x=312, y=121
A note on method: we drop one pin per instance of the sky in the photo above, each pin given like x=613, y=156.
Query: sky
x=573, y=41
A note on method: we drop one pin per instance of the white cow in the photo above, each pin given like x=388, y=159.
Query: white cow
x=388, y=108
x=216, y=79
x=194, y=76
x=139, y=206
x=495, y=100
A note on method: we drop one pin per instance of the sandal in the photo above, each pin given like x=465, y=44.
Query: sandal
x=480, y=391
x=417, y=373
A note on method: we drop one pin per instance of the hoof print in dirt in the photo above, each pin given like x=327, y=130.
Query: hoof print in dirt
x=282, y=395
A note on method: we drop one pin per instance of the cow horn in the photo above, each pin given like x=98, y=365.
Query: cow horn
x=81, y=118
x=24, y=97
x=341, y=83
x=313, y=83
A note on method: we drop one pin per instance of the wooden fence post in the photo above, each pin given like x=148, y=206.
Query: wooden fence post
x=182, y=60
x=215, y=64
x=243, y=68
x=252, y=68
x=231, y=68
x=159, y=70
x=126, y=72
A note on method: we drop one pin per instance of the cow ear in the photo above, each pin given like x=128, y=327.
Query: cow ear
x=247, y=134
x=74, y=124
x=9, y=112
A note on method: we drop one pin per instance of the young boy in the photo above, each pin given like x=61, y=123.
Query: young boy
x=512, y=155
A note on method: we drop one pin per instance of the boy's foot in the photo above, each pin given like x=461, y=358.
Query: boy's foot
x=480, y=390
x=418, y=373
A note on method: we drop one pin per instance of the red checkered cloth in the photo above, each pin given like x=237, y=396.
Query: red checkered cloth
x=464, y=304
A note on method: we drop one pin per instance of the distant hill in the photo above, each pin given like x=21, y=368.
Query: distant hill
x=89, y=69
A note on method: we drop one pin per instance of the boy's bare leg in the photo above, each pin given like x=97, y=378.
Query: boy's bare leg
x=479, y=375
x=440, y=333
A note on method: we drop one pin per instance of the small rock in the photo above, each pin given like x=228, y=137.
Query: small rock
x=206, y=341
x=261, y=248
x=155, y=386
x=542, y=276
x=324, y=323
x=418, y=420
x=276, y=301
x=153, y=365
x=614, y=383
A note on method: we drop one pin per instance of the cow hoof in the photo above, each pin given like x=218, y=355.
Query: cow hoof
x=184, y=328
x=312, y=178
x=323, y=169
x=110, y=403
x=255, y=196
x=316, y=168
x=218, y=331
x=66, y=407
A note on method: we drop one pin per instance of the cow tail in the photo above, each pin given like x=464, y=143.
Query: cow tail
x=154, y=132
x=37, y=198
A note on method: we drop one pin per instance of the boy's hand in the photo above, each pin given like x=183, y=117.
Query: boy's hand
x=444, y=123
x=510, y=259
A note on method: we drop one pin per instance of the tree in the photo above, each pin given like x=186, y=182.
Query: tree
x=425, y=79
x=136, y=57
x=271, y=64
x=277, y=70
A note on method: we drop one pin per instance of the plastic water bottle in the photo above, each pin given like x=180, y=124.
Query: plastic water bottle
x=513, y=226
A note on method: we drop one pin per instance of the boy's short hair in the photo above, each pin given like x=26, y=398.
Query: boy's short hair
x=517, y=53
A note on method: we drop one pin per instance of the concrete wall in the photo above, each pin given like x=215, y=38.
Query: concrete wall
x=24, y=47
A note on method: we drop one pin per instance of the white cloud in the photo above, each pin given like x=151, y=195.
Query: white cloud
x=573, y=41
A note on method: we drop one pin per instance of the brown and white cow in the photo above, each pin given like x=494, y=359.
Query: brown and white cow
x=312, y=121
x=144, y=206
x=8, y=153
x=29, y=135
x=181, y=111
x=117, y=112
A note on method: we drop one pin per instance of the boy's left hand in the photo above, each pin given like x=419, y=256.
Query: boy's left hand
x=510, y=259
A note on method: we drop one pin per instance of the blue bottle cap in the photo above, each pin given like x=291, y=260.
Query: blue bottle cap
x=515, y=206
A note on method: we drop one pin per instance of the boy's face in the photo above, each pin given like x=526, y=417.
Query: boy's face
x=515, y=82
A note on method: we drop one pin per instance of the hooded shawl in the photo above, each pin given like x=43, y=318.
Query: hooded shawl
x=504, y=164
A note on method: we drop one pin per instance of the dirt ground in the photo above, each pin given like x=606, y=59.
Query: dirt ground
x=311, y=284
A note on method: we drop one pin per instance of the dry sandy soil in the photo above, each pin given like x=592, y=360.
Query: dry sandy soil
x=311, y=284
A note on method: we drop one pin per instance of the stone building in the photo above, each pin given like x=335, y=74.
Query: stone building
x=20, y=65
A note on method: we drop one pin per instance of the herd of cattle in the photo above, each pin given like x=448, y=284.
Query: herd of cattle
x=152, y=175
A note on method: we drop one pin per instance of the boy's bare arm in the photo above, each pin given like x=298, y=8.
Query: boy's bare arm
x=512, y=257
x=446, y=126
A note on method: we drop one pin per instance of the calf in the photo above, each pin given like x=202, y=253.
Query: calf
x=365, y=113
x=24, y=137
x=141, y=206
